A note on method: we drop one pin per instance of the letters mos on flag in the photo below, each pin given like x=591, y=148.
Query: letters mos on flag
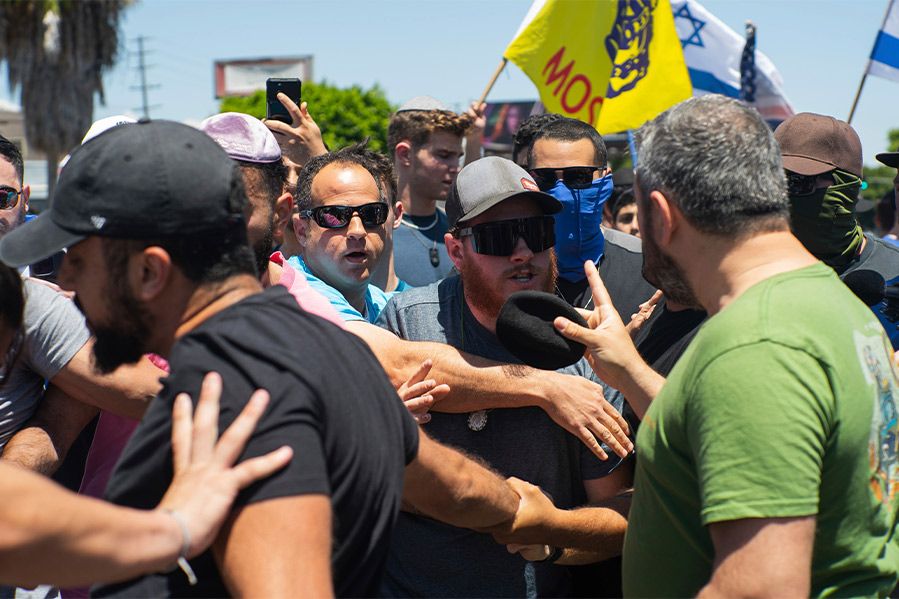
x=613, y=64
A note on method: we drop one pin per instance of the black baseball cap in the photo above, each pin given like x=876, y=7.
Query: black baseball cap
x=485, y=183
x=889, y=158
x=525, y=328
x=146, y=180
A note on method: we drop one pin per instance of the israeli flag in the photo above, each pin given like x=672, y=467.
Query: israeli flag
x=885, y=55
x=712, y=51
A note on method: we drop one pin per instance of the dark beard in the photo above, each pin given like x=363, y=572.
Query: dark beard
x=262, y=249
x=481, y=292
x=123, y=342
x=6, y=226
x=662, y=272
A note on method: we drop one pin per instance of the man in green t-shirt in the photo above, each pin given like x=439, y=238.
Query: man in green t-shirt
x=768, y=459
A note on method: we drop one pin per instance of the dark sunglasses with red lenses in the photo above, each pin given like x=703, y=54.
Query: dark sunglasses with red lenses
x=499, y=238
x=575, y=177
x=337, y=217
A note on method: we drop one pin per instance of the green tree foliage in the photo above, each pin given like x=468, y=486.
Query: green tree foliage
x=345, y=116
x=880, y=178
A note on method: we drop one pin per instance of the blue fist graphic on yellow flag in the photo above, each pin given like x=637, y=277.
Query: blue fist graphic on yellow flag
x=612, y=63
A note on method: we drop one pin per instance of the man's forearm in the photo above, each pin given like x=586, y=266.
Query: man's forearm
x=48, y=535
x=598, y=530
x=640, y=387
x=32, y=448
x=476, y=383
x=448, y=486
x=44, y=442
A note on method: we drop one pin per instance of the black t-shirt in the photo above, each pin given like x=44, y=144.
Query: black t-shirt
x=621, y=268
x=879, y=256
x=330, y=401
x=664, y=337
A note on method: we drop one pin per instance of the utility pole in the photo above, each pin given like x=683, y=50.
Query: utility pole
x=144, y=87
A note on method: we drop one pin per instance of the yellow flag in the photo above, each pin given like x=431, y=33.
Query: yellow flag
x=612, y=63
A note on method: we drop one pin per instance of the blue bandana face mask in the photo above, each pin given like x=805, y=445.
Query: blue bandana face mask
x=578, y=236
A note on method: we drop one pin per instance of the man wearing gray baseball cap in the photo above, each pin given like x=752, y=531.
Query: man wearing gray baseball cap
x=500, y=240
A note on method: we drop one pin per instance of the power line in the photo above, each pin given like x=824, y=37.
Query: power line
x=144, y=87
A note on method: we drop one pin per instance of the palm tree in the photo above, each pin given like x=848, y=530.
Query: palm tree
x=56, y=51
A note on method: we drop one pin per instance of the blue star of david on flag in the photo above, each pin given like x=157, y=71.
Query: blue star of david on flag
x=694, y=38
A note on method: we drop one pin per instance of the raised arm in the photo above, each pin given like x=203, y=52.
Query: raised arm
x=610, y=350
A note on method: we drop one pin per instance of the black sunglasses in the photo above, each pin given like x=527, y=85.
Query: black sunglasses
x=499, y=238
x=337, y=217
x=575, y=177
x=9, y=197
x=805, y=185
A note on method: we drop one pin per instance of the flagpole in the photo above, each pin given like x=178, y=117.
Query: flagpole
x=632, y=146
x=496, y=73
x=858, y=93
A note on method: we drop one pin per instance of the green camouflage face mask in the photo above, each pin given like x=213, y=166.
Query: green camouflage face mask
x=824, y=221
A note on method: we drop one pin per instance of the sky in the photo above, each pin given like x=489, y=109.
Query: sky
x=449, y=49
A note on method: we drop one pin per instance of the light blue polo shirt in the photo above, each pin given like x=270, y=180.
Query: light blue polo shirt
x=375, y=298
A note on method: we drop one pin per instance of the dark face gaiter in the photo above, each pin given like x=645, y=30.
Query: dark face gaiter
x=824, y=221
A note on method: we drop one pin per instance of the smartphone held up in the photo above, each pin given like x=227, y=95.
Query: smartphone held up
x=273, y=107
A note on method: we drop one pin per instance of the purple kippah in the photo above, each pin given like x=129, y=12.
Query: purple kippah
x=242, y=137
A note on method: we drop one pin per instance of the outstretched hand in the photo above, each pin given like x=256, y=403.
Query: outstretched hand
x=643, y=313
x=301, y=140
x=533, y=518
x=420, y=395
x=577, y=405
x=206, y=481
x=610, y=350
x=478, y=115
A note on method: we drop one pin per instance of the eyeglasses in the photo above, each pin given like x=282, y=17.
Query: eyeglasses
x=337, y=217
x=499, y=238
x=575, y=177
x=9, y=197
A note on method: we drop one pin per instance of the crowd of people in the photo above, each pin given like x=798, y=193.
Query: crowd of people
x=731, y=428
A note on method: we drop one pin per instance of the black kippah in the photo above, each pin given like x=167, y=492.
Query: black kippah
x=525, y=328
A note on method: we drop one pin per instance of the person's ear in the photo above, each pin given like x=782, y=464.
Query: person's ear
x=397, y=214
x=455, y=250
x=300, y=228
x=26, y=193
x=403, y=153
x=666, y=217
x=281, y=216
x=149, y=272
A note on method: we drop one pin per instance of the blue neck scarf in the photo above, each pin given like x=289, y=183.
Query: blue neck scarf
x=578, y=236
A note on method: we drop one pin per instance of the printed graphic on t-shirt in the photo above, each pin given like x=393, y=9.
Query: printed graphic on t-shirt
x=883, y=441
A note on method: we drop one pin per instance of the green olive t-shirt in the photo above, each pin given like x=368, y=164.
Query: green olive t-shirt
x=783, y=406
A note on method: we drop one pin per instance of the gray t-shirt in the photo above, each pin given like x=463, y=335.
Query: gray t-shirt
x=53, y=330
x=428, y=558
x=412, y=249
